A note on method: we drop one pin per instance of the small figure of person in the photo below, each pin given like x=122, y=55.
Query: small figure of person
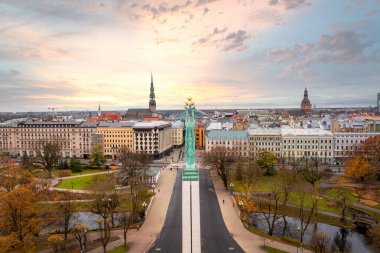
x=138, y=227
x=223, y=201
x=158, y=189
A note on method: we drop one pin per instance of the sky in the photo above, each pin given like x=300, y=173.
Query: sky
x=75, y=55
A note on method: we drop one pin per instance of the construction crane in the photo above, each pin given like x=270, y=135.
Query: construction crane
x=53, y=113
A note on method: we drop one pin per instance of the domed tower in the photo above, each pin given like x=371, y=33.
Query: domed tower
x=152, y=100
x=306, y=105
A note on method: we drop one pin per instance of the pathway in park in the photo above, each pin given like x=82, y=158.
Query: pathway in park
x=248, y=241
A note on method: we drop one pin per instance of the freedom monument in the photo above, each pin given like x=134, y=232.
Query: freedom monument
x=191, y=231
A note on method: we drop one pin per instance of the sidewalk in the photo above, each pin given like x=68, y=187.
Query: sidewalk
x=141, y=240
x=248, y=241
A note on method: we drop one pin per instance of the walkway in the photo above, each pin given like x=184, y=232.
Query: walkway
x=248, y=241
x=141, y=240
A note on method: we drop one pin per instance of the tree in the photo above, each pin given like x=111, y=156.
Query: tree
x=250, y=173
x=97, y=158
x=19, y=221
x=65, y=213
x=340, y=242
x=267, y=160
x=303, y=214
x=288, y=180
x=105, y=232
x=12, y=175
x=75, y=165
x=374, y=235
x=221, y=160
x=342, y=202
x=126, y=217
x=319, y=242
x=371, y=150
x=80, y=231
x=48, y=156
x=358, y=167
x=106, y=200
x=56, y=242
x=271, y=209
x=313, y=176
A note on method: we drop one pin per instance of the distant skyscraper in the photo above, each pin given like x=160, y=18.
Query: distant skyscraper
x=378, y=102
x=152, y=101
x=305, y=104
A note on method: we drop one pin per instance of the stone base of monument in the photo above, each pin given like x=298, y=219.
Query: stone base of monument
x=191, y=223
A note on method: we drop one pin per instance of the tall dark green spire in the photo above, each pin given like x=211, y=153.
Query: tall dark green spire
x=152, y=100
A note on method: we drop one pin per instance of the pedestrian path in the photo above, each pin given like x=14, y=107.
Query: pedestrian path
x=248, y=241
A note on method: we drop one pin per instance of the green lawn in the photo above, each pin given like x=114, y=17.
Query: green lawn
x=323, y=204
x=335, y=193
x=84, y=172
x=120, y=249
x=272, y=250
x=266, y=183
x=79, y=183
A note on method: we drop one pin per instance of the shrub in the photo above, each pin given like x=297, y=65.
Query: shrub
x=64, y=173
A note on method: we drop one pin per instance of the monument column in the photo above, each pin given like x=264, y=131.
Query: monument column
x=191, y=229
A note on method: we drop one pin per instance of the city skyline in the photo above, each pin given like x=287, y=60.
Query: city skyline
x=76, y=55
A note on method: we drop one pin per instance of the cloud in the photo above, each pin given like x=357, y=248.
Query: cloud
x=236, y=40
x=290, y=4
x=209, y=36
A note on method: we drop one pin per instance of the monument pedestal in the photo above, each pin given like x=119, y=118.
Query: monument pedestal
x=191, y=223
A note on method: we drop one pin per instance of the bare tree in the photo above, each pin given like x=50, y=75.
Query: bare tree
x=343, y=202
x=305, y=214
x=319, y=242
x=48, y=156
x=271, y=209
x=105, y=232
x=221, y=160
x=80, y=231
x=65, y=212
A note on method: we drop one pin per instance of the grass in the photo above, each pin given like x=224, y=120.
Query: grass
x=272, y=250
x=84, y=172
x=120, y=249
x=266, y=183
x=79, y=183
x=323, y=204
x=335, y=193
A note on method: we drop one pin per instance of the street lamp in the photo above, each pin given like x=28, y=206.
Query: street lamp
x=153, y=186
x=231, y=187
x=144, y=204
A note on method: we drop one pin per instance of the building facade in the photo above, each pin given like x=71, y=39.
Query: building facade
x=153, y=138
x=115, y=135
x=236, y=142
x=199, y=132
x=265, y=138
x=344, y=143
x=177, y=133
x=27, y=137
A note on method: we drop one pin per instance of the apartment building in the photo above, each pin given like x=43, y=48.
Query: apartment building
x=177, y=133
x=265, y=138
x=115, y=135
x=236, y=142
x=345, y=142
x=27, y=136
x=153, y=137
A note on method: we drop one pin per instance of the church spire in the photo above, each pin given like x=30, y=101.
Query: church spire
x=152, y=100
x=99, y=111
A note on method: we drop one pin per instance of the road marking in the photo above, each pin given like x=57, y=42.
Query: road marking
x=231, y=248
x=158, y=249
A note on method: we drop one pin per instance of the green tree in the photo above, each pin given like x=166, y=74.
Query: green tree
x=97, y=158
x=267, y=161
x=75, y=165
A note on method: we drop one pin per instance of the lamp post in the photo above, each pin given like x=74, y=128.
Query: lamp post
x=153, y=186
x=231, y=187
x=144, y=204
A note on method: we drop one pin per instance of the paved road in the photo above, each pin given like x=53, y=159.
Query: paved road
x=214, y=234
x=170, y=238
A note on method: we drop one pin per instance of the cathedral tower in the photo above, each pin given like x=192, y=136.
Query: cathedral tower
x=152, y=97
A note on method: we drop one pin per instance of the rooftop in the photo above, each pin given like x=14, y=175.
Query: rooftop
x=117, y=124
x=151, y=124
x=227, y=135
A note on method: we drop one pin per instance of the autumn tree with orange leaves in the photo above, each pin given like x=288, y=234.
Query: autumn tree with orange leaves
x=358, y=168
x=18, y=220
